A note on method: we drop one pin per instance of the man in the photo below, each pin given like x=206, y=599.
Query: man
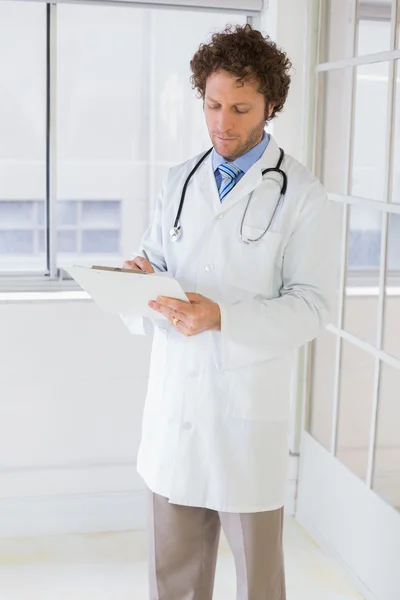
x=253, y=255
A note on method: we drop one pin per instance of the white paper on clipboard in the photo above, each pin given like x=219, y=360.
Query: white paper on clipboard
x=123, y=293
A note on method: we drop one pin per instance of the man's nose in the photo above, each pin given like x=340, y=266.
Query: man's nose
x=225, y=121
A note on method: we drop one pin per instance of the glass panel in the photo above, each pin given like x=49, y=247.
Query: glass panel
x=103, y=213
x=100, y=242
x=398, y=25
x=100, y=105
x=362, y=283
x=14, y=214
x=338, y=30
x=66, y=241
x=323, y=382
x=355, y=408
x=393, y=248
x=41, y=240
x=178, y=110
x=333, y=155
x=67, y=212
x=386, y=480
x=369, y=144
x=374, y=27
x=337, y=223
x=391, y=329
x=22, y=130
x=16, y=243
x=40, y=213
x=127, y=111
x=396, y=148
x=103, y=123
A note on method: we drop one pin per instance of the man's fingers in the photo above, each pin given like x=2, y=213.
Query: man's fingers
x=194, y=297
x=170, y=313
x=127, y=265
x=182, y=328
x=138, y=263
x=184, y=325
x=143, y=264
x=178, y=305
x=133, y=264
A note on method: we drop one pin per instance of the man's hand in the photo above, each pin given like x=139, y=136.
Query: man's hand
x=201, y=314
x=138, y=263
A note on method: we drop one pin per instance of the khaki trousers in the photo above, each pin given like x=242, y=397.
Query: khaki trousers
x=183, y=547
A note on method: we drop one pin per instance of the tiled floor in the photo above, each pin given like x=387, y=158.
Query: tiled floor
x=113, y=566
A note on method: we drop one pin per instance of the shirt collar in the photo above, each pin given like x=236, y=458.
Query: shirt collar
x=245, y=161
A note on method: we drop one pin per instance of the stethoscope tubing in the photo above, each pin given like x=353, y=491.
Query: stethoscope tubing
x=176, y=231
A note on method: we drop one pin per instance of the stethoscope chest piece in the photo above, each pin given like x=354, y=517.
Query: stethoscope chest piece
x=175, y=233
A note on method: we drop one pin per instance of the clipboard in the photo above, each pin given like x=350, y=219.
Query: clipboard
x=125, y=292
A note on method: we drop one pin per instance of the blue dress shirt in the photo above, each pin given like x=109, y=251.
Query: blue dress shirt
x=244, y=162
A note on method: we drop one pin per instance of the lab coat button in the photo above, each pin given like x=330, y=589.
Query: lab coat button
x=209, y=267
x=220, y=216
x=187, y=425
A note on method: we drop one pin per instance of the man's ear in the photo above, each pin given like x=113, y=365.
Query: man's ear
x=271, y=107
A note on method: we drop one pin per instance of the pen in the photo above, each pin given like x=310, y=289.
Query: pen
x=145, y=255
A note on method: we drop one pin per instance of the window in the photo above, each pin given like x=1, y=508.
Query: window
x=83, y=227
x=357, y=157
x=121, y=112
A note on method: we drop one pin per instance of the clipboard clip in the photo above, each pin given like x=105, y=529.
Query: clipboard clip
x=119, y=270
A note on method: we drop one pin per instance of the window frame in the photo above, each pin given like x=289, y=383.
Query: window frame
x=250, y=7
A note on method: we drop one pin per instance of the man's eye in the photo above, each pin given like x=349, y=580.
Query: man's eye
x=241, y=112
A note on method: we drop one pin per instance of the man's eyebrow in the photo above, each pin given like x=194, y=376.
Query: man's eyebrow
x=235, y=104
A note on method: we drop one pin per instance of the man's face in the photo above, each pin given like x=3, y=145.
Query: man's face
x=235, y=114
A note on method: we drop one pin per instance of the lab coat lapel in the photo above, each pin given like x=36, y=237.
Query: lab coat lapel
x=251, y=180
x=209, y=186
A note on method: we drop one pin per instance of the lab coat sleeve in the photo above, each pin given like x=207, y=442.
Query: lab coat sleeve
x=152, y=243
x=261, y=329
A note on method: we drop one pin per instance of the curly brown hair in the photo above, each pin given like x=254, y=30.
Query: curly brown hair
x=247, y=54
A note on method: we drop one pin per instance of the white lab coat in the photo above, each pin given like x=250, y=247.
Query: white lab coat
x=215, y=424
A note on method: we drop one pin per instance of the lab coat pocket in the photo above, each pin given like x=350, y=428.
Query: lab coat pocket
x=256, y=266
x=253, y=233
x=158, y=365
x=260, y=392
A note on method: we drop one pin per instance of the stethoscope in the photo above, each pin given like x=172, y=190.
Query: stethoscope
x=176, y=231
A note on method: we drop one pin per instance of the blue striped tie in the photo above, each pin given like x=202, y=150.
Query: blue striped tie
x=229, y=173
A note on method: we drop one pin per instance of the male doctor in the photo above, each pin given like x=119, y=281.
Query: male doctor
x=257, y=267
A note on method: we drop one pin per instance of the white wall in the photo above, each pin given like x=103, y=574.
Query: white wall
x=293, y=26
x=72, y=386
